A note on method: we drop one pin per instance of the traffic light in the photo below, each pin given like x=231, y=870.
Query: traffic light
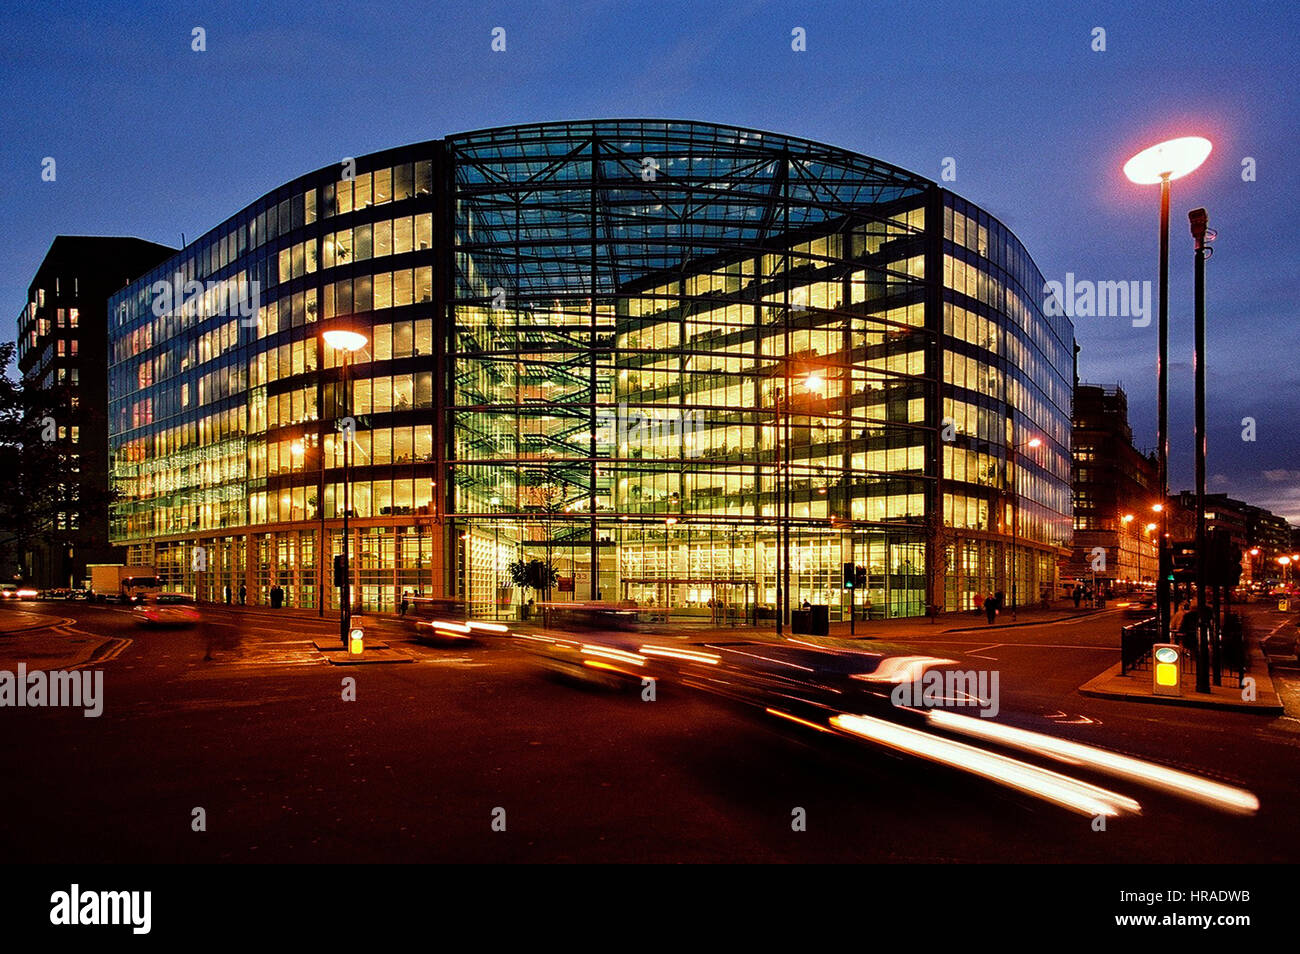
x=1182, y=562
x=849, y=576
x=1225, y=560
x=340, y=570
x=860, y=576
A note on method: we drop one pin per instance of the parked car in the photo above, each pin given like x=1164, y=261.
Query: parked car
x=167, y=609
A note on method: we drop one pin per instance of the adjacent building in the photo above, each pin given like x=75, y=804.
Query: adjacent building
x=691, y=366
x=63, y=358
x=1261, y=536
x=1116, y=490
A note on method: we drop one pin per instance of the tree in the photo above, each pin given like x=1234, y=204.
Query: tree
x=13, y=517
x=532, y=575
x=537, y=575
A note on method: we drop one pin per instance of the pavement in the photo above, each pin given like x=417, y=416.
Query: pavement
x=1257, y=692
x=46, y=641
x=891, y=631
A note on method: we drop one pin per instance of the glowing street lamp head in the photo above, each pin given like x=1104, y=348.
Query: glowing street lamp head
x=1171, y=159
x=344, y=340
x=1035, y=442
x=815, y=382
x=1127, y=518
x=1158, y=508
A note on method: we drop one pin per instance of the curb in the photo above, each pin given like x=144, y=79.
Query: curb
x=1039, y=622
x=28, y=627
x=1092, y=688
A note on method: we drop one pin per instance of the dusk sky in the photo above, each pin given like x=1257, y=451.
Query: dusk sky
x=152, y=139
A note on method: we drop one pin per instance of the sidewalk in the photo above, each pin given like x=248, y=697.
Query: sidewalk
x=14, y=622
x=887, y=630
x=1136, y=687
x=37, y=640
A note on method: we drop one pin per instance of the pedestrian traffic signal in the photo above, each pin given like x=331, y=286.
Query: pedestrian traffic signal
x=849, y=576
x=860, y=577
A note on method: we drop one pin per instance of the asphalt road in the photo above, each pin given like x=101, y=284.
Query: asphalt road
x=241, y=717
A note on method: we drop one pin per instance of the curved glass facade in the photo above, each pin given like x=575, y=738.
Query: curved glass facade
x=691, y=366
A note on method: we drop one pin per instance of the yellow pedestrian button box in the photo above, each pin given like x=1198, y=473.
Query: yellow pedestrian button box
x=356, y=641
x=1167, y=669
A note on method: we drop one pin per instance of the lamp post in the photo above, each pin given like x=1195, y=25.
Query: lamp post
x=1013, y=461
x=814, y=383
x=1162, y=163
x=346, y=342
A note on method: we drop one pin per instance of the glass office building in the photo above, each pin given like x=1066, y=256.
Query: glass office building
x=695, y=367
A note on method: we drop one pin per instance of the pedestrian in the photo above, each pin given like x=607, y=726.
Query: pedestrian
x=1078, y=595
x=979, y=602
x=401, y=607
x=225, y=592
x=243, y=594
x=991, y=609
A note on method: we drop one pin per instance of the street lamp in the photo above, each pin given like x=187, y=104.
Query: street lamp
x=1015, y=514
x=1162, y=163
x=814, y=383
x=345, y=342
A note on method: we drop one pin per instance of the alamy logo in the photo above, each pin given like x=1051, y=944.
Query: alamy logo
x=75, y=907
x=1084, y=298
x=83, y=689
x=227, y=296
x=950, y=688
x=636, y=427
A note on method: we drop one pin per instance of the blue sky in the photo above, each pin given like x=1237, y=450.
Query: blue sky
x=152, y=139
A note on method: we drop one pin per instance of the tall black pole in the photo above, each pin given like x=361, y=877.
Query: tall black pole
x=1162, y=400
x=785, y=559
x=345, y=591
x=778, y=462
x=1198, y=220
x=1015, y=520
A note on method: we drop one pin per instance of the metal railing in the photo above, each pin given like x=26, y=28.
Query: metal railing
x=1135, y=642
x=1137, y=639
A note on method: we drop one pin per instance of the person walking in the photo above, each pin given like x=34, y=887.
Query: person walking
x=979, y=602
x=1078, y=595
x=991, y=609
x=402, y=606
x=225, y=592
x=243, y=594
